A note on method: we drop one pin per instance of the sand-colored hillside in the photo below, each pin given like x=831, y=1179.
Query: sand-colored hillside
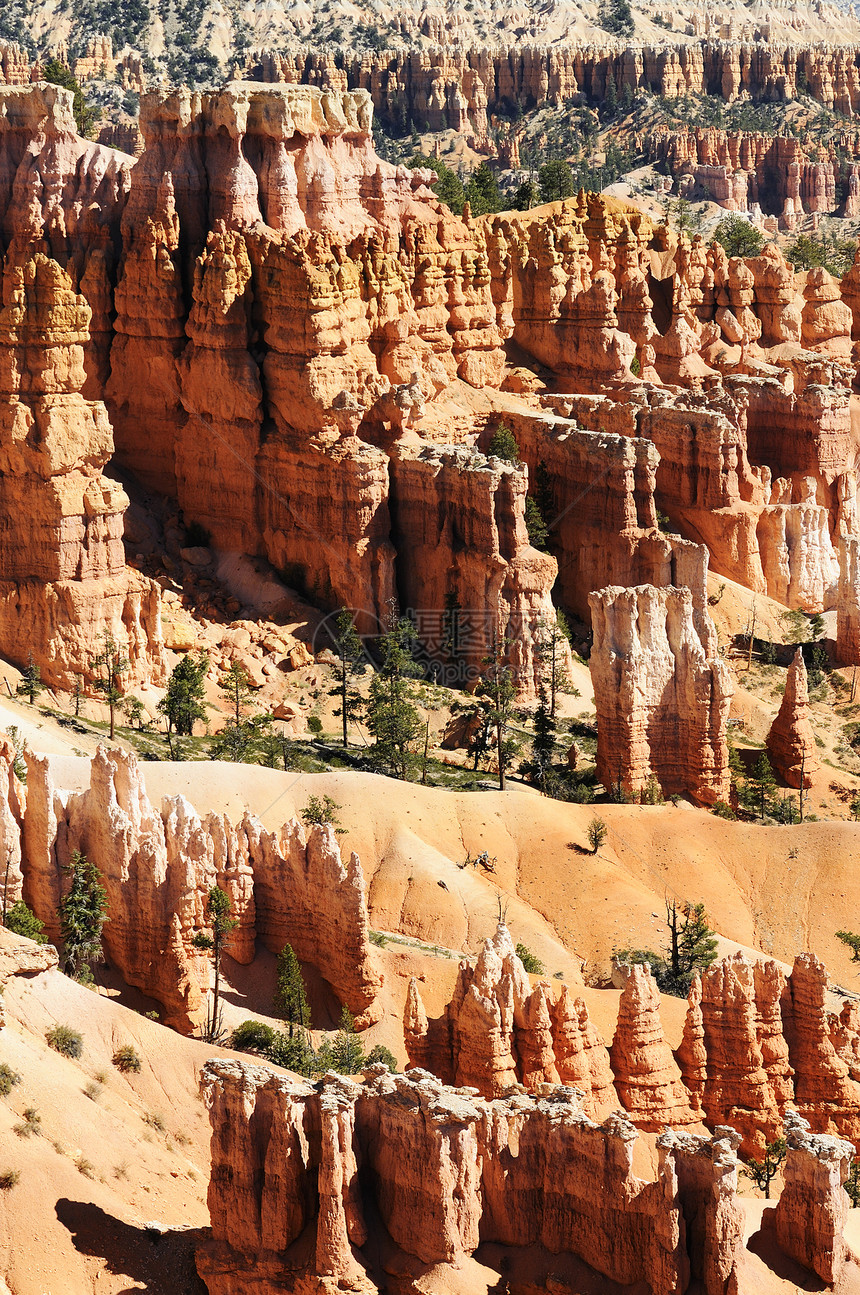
x=114, y=1152
x=776, y=889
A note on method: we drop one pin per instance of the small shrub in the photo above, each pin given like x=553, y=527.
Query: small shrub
x=8, y=1079
x=596, y=834
x=65, y=1040
x=379, y=1053
x=8, y=1179
x=724, y=810
x=85, y=1167
x=530, y=961
x=252, y=1036
x=23, y=921
x=320, y=811
x=126, y=1059
x=503, y=445
x=377, y=938
x=154, y=1122
x=93, y=1092
x=315, y=724
x=31, y=1125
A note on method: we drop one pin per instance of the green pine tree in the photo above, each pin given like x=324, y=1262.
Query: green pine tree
x=762, y=1172
x=763, y=781
x=182, y=705
x=350, y=662
x=853, y=942
x=31, y=680
x=23, y=921
x=236, y=687
x=535, y=524
x=220, y=921
x=496, y=694
x=291, y=1002
x=83, y=913
x=503, y=445
x=347, y=1054
x=392, y=718
x=543, y=743
x=109, y=665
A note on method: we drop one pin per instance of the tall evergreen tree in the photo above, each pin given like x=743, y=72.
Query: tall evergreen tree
x=552, y=638
x=496, y=693
x=346, y=1051
x=350, y=662
x=392, y=717
x=291, y=1002
x=31, y=679
x=182, y=704
x=83, y=913
x=220, y=921
x=236, y=687
x=763, y=781
x=543, y=743
x=109, y=665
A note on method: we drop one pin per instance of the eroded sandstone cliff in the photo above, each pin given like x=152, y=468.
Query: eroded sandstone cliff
x=301, y=1174
x=158, y=866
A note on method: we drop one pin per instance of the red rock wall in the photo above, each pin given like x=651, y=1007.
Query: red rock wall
x=443, y=1171
x=661, y=693
x=451, y=88
x=158, y=867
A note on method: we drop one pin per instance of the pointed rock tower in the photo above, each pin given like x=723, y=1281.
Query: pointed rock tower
x=791, y=741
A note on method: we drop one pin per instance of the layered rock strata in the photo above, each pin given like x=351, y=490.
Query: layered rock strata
x=460, y=88
x=64, y=581
x=848, y=602
x=444, y=1170
x=812, y=1211
x=458, y=524
x=741, y=169
x=158, y=867
x=661, y=693
x=791, y=740
x=648, y=1080
x=755, y=1045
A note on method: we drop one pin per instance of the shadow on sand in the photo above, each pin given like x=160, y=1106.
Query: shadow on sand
x=160, y=1263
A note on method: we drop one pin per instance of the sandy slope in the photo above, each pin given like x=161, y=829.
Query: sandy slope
x=66, y=1230
x=776, y=890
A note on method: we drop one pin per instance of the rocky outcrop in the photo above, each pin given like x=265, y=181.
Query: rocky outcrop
x=460, y=534
x=848, y=602
x=754, y=1046
x=791, y=741
x=647, y=1077
x=738, y=170
x=22, y=957
x=500, y=1031
x=64, y=579
x=459, y=87
x=824, y=1092
x=158, y=867
x=13, y=800
x=581, y=1057
x=443, y=1170
x=722, y=1054
x=661, y=693
x=812, y=1211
